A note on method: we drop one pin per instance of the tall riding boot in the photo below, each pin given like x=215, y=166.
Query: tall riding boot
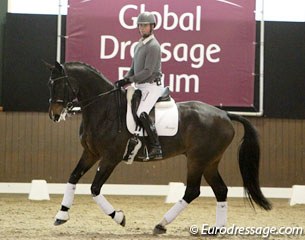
x=154, y=148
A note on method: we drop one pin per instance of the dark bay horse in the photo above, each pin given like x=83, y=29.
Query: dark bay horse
x=205, y=132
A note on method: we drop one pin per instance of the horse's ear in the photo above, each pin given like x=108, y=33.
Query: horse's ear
x=48, y=65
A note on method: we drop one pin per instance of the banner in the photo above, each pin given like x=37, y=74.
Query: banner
x=208, y=46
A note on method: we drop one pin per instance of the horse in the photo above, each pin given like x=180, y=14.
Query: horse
x=204, y=133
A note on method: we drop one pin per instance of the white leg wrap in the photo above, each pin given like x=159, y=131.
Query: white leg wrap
x=221, y=214
x=103, y=204
x=68, y=195
x=174, y=212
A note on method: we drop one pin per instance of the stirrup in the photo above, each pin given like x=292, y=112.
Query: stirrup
x=149, y=155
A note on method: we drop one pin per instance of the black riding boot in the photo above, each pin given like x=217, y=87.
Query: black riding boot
x=154, y=148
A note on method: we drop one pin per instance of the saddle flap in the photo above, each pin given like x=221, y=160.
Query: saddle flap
x=166, y=116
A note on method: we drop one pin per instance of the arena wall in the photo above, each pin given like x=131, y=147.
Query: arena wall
x=33, y=147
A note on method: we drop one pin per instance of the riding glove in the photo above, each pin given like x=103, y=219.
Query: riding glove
x=122, y=82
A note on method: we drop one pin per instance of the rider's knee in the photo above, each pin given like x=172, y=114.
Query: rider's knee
x=135, y=102
x=191, y=193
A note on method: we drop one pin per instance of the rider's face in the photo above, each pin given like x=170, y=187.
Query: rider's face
x=145, y=30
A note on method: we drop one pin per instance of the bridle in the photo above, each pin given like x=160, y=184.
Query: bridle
x=70, y=102
x=66, y=100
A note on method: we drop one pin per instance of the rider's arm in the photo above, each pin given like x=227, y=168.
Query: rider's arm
x=131, y=71
x=151, y=65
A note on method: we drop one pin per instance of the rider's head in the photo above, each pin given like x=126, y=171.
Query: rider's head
x=146, y=23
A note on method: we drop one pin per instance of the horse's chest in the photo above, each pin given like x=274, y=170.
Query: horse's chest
x=88, y=142
x=95, y=140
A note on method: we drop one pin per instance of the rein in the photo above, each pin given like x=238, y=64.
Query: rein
x=91, y=100
x=95, y=98
x=75, y=103
x=70, y=104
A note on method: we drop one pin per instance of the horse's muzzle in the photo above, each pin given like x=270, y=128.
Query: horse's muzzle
x=55, y=118
x=55, y=111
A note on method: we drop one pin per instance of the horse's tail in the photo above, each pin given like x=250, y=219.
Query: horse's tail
x=249, y=157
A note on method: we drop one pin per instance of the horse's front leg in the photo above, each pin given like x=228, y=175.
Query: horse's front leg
x=102, y=174
x=86, y=161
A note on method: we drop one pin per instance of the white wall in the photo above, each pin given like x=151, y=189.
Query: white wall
x=281, y=10
x=37, y=6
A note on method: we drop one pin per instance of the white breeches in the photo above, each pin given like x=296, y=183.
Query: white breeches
x=150, y=94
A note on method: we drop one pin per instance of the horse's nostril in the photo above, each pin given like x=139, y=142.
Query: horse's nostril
x=56, y=117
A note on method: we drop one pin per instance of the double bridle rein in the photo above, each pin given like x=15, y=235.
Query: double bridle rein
x=72, y=102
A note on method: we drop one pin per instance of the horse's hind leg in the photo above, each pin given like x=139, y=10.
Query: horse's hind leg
x=220, y=190
x=86, y=161
x=192, y=191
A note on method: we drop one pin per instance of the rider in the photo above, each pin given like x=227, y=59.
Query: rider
x=145, y=72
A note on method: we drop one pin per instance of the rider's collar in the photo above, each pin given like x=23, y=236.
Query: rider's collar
x=146, y=40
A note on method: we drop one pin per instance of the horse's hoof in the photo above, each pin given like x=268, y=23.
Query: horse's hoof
x=159, y=229
x=61, y=217
x=59, y=222
x=123, y=223
x=119, y=218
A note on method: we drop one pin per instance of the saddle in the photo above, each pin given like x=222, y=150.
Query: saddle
x=164, y=114
x=136, y=99
x=165, y=95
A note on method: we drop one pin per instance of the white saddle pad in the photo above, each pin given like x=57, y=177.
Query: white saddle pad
x=166, y=116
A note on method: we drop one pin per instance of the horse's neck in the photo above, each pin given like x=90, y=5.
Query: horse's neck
x=92, y=87
x=94, y=102
x=106, y=108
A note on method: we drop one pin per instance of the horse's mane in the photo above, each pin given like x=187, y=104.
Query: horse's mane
x=89, y=67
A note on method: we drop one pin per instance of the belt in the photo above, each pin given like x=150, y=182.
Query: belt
x=158, y=81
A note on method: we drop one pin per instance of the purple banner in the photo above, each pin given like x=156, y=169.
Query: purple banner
x=208, y=46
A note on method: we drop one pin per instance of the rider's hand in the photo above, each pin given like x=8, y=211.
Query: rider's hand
x=122, y=82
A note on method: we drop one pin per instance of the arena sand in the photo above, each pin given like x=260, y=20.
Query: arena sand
x=26, y=219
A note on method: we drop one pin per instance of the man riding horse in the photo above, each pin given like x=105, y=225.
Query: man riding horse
x=204, y=132
x=145, y=72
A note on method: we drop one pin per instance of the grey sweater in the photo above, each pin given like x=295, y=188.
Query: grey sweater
x=146, y=63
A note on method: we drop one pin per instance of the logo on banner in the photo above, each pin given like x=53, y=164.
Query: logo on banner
x=192, y=54
x=208, y=47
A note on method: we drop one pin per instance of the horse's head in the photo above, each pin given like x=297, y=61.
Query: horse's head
x=62, y=93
